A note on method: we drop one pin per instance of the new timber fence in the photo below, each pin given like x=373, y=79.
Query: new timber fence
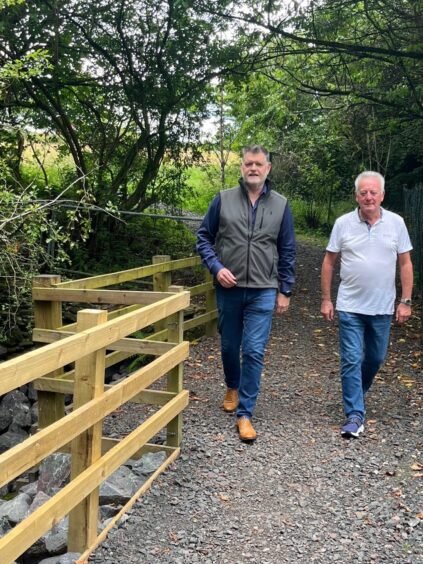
x=73, y=361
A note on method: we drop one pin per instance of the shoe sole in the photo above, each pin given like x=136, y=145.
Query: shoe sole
x=229, y=410
x=245, y=440
x=351, y=434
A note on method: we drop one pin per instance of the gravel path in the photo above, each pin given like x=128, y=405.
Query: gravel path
x=300, y=493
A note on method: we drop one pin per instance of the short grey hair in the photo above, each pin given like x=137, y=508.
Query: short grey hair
x=256, y=149
x=370, y=174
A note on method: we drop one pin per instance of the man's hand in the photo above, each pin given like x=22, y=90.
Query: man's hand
x=282, y=303
x=326, y=310
x=226, y=278
x=403, y=313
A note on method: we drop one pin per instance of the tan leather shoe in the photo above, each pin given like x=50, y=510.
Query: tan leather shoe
x=245, y=429
x=231, y=401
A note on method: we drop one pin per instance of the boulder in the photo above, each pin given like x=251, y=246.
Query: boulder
x=148, y=463
x=119, y=487
x=16, y=509
x=54, y=473
x=5, y=526
x=10, y=439
x=39, y=499
x=14, y=407
x=56, y=540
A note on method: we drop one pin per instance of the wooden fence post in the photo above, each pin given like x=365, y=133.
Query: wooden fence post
x=175, y=325
x=161, y=283
x=48, y=315
x=86, y=448
x=211, y=326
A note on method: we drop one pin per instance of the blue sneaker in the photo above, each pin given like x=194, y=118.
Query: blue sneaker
x=352, y=427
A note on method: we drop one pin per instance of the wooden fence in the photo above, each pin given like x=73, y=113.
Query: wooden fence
x=99, y=339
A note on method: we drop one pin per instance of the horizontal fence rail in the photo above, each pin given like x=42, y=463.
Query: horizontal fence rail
x=73, y=361
x=21, y=370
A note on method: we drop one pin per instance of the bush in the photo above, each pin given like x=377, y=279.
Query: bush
x=118, y=245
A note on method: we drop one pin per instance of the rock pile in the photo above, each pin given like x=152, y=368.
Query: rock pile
x=18, y=414
x=52, y=475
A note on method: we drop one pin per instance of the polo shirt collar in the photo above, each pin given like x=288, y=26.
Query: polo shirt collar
x=361, y=220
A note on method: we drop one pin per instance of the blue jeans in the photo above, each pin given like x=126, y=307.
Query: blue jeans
x=363, y=343
x=245, y=320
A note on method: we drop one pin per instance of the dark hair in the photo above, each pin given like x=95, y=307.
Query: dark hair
x=256, y=149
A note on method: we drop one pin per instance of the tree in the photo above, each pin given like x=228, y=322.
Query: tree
x=128, y=87
x=359, y=60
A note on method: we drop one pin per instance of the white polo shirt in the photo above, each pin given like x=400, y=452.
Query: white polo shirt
x=368, y=261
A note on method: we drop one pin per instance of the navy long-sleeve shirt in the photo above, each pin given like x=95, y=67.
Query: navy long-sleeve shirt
x=206, y=237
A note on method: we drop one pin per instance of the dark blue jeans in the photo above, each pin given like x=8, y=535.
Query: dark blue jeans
x=363, y=343
x=245, y=320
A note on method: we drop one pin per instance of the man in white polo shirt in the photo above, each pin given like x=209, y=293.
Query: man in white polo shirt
x=369, y=240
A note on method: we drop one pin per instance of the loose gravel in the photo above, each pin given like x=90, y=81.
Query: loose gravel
x=300, y=493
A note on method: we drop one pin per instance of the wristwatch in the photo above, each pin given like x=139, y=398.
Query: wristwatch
x=405, y=301
x=287, y=294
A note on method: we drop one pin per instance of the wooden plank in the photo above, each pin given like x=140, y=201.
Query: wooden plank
x=112, y=315
x=111, y=359
x=113, y=278
x=66, y=386
x=25, y=533
x=58, y=385
x=160, y=336
x=200, y=320
x=200, y=288
x=161, y=283
x=86, y=447
x=128, y=344
x=107, y=443
x=123, y=297
x=48, y=315
x=21, y=370
x=24, y=455
x=153, y=397
x=146, y=485
x=175, y=376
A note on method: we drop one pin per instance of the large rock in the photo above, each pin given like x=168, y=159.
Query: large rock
x=39, y=500
x=148, y=463
x=16, y=509
x=15, y=406
x=4, y=490
x=119, y=487
x=32, y=392
x=68, y=558
x=56, y=540
x=108, y=511
x=30, y=489
x=34, y=413
x=10, y=439
x=5, y=526
x=53, y=542
x=54, y=473
x=5, y=418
